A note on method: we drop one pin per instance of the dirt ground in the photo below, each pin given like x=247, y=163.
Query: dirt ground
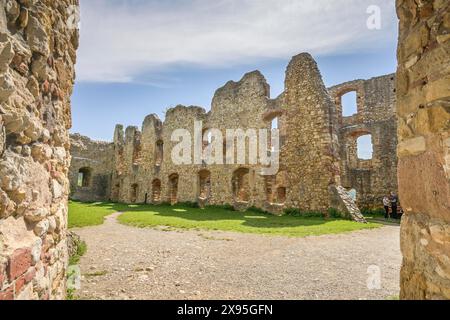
x=130, y=263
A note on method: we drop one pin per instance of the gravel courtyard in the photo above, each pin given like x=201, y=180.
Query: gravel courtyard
x=130, y=263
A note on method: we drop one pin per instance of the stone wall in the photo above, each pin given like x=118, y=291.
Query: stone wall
x=423, y=95
x=143, y=170
x=91, y=169
x=37, y=56
x=310, y=154
x=376, y=116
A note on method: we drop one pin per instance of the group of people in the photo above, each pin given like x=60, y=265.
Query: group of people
x=390, y=204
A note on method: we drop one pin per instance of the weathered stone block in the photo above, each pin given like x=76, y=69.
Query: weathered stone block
x=411, y=147
x=19, y=262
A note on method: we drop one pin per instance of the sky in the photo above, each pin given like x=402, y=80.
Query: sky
x=138, y=57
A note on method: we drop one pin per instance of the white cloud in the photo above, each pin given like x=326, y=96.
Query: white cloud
x=123, y=39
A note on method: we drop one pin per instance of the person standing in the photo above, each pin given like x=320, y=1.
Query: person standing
x=394, y=203
x=386, y=204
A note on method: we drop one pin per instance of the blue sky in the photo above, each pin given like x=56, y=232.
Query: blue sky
x=141, y=57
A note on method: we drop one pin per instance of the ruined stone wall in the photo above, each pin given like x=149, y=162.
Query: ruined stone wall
x=423, y=95
x=310, y=155
x=376, y=115
x=90, y=169
x=236, y=105
x=38, y=44
x=309, y=173
x=309, y=165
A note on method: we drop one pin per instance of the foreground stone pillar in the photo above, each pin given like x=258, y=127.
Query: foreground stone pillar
x=423, y=92
x=38, y=41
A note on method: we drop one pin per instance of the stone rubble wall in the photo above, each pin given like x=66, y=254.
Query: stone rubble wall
x=423, y=107
x=309, y=161
x=310, y=128
x=96, y=156
x=310, y=154
x=376, y=104
x=37, y=55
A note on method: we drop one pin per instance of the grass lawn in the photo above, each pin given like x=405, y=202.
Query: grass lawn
x=225, y=220
x=90, y=214
x=183, y=217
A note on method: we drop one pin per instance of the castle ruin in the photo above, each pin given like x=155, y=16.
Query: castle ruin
x=37, y=54
x=318, y=152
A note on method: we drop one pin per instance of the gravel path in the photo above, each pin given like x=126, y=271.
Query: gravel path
x=130, y=263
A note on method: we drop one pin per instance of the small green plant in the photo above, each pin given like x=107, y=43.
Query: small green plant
x=313, y=214
x=227, y=207
x=373, y=212
x=294, y=212
x=97, y=274
x=71, y=294
x=335, y=214
x=258, y=210
x=188, y=204
x=81, y=251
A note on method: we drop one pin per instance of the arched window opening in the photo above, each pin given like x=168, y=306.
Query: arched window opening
x=281, y=195
x=349, y=103
x=137, y=154
x=365, y=147
x=156, y=191
x=275, y=123
x=241, y=185
x=206, y=138
x=269, y=185
x=173, y=188
x=225, y=151
x=159, y=152
x=84, y=177
x=204, y=177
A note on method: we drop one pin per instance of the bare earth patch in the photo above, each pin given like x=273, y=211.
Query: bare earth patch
x=131, y=263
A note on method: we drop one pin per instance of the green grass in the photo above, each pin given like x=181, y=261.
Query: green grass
x=182, y=217
x=212, y=218
x=91, y=214
x=81, y=251
x=97, y=274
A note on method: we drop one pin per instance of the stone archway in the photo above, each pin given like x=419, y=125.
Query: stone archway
x=204, y=181
x=84, y=177
x=173, y=188
x=241, y=185
x=156, y=191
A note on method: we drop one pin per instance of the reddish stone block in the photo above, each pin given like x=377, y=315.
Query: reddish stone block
x=25, y=279
x=30, y=275
x=19, y=263
x=7, y=294
x=45, y=296
x=19, y=284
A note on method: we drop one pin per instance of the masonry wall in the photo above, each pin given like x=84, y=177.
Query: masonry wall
x=310, y=154
x=317, y=156
x=376, y=116
x=37, y=56
x=91, y=169
x=423, y=94
x=142, y=170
